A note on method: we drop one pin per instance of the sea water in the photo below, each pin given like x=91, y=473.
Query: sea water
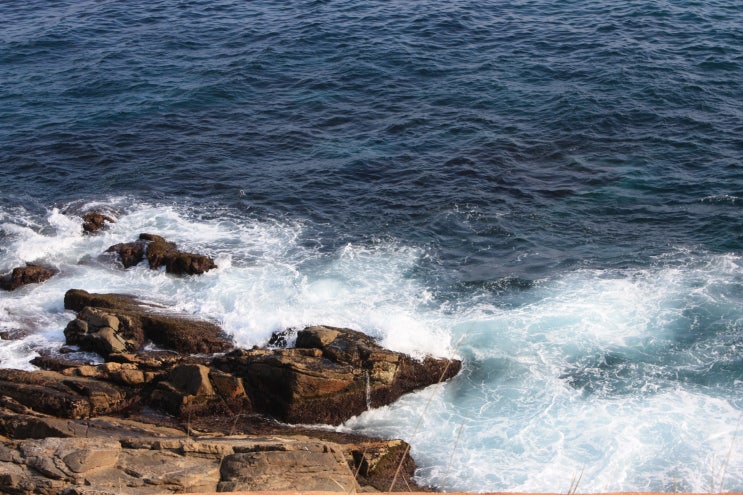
x=549, y=191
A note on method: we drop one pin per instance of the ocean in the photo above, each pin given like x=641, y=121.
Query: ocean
x=549, y=190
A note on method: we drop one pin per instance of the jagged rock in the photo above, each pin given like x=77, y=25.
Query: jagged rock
x=105, y=332
x=160, y=252
x=195, y=389
x=333, y=374
x=23, y=275
x=130, y=253
x=94, y=221
x=281, y=338
x=114, y=323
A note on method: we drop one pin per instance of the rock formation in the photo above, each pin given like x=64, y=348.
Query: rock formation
x=331, y=375
x=23, y=275
x=176, y=420
x=115, y=323
x=93, y=221
x=160, y=252
x=107, y=455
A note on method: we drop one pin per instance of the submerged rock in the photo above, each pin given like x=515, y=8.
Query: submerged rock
x=160, y=252
x=23, y=275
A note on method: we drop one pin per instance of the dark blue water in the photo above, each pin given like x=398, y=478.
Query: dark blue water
x=559, y=183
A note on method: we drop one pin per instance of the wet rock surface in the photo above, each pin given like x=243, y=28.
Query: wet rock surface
x=161, y=253
x=93, y=221
x=24, y=275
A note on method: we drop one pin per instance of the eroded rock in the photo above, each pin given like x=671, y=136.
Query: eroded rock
x=62, y=396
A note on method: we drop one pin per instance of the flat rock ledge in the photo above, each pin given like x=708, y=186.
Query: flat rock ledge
x=199, y=415
x=109, y=455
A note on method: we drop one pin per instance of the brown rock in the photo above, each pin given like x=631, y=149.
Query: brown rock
x=131, y=253
x=77, y=299
x=62, y=396
x=184, y=334
x=334, y=374
x=314, y=468
x=134, y=325
x=160, y=252
x=29, y=274
x=195, y=389
x=377, y=463
x=105, y=332
x=110, y=455
x=94, y=221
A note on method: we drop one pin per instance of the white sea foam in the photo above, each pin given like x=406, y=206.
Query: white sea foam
x=602, y=377
x=606, y=373
x=266, y=281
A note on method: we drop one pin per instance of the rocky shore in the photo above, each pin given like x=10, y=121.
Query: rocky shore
x=198, y=414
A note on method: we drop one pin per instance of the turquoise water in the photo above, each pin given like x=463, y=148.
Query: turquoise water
x=550, y=191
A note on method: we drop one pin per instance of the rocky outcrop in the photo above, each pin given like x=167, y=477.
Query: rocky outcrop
x=197, y=389
x=173, y=465
x=93, y=221
x=24, y=275
x=160, y=252
x=106, y=455
x=176, y=420
x=331, y=375
x=62, y=396
x=114, y=323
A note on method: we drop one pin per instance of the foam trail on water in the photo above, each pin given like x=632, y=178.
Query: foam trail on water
x=624, y=378
x=551, y=387
x=267, y=278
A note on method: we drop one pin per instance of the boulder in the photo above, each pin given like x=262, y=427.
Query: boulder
x=114, y=323
x=332, y=375
x=105, y=331
x=94, y=221
x=160, y=252
x=23, y=275
x=130, y=253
